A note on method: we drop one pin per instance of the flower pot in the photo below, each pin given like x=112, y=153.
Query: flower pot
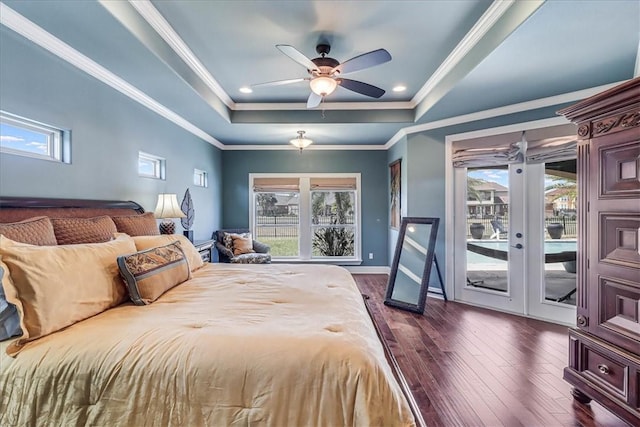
x=555, y=230
x=477, y=230
x=569, y=266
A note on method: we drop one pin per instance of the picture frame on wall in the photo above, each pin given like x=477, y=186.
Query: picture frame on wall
x=394, y=185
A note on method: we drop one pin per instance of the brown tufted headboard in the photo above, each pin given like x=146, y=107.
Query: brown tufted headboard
x=13, y=209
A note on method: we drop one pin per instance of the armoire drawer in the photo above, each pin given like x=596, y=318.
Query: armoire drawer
x=608, y=368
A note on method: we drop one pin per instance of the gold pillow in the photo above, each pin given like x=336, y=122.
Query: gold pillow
x=56, y=286
x=34, y=231
x=242, y=244
x=193, y=256
x=151, y=273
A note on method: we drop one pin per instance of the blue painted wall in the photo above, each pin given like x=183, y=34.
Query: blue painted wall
x=237, y=165
x=108, y=129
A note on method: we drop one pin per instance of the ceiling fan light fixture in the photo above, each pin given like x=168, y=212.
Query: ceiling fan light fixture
x=301, y=142
x=323, y=85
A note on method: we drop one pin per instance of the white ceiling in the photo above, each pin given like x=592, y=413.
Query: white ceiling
x=455, y=57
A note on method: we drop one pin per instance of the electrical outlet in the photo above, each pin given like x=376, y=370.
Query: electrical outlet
x=370, y=255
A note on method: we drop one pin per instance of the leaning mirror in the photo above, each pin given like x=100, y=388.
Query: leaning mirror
x=412, y=261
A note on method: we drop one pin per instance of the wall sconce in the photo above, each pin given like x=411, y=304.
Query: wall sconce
x=167, y=209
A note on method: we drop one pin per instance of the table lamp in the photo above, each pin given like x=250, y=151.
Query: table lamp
x=167, y=209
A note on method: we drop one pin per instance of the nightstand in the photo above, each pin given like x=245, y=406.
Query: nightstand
x=204, y=247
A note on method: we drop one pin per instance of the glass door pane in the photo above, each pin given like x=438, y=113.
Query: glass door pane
x=560, y=202
x=487, y=208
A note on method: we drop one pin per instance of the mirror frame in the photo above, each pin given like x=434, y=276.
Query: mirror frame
x=426, y=273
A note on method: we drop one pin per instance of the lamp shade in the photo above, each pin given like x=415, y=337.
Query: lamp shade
x=323, y=85
x=168, y=207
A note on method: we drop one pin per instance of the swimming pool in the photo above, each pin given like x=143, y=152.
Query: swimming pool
x=550, y=247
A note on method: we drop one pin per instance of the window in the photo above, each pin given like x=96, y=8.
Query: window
x=26, y=137
x=200, y=178
x=307, y=217
x=150, y=166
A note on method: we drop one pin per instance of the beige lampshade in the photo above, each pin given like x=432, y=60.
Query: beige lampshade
x=168, y=207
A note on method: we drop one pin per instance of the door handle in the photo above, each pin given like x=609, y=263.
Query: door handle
x=518, y=246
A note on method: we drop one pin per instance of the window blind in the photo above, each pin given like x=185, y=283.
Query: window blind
x=347, y=183
x=271, y=185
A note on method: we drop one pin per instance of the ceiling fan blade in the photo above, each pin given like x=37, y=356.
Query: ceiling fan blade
x=361, y=87
x=366, y=60
x=278, y=82
x=297, y=56
x=314, y=100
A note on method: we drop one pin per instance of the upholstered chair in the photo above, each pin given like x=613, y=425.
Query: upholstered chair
x=226, y=254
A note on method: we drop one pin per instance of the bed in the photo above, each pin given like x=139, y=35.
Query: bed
x=274, y=345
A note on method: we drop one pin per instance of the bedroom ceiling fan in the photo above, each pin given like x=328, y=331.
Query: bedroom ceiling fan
x=325, y=73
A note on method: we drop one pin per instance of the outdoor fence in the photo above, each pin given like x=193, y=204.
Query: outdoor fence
x=568, y=224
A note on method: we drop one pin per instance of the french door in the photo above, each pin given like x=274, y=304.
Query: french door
x=508, y=255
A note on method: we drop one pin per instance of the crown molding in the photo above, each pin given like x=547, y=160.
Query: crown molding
x=334, y=106
x=154, y=18
x=312, y=147
x=500, y=111
x=21, y=25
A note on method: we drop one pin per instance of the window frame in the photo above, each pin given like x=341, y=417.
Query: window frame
x=305, y=235
x=58, y=140
x=203, y=176
x=159, y=168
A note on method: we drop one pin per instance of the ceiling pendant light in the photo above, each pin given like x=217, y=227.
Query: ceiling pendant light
x=323, y=85
x=301, y=142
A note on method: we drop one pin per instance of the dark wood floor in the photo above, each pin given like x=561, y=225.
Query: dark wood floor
x=468, y=366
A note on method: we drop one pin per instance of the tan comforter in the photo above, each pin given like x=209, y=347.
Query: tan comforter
x=276, y=345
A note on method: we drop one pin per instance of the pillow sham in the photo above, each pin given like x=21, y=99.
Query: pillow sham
x=70, y=231
x=9, y=318
x=137, y=225
x=35, y=231
x=49, y=298
x=193, y=256
x=149, y=274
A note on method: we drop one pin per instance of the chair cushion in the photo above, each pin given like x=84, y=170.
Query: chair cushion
x=239, y=243
x=252, y=258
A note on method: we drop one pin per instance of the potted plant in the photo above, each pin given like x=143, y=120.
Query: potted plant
x=187, y=209
x=555, y=230
x=477, y=230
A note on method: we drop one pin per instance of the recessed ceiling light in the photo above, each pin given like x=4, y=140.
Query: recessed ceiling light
x=246, y=89
x=399, y=88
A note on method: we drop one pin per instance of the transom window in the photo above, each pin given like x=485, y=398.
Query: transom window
x=200, y=178
x=151, y=166
x=25, y=137
x=307, y=217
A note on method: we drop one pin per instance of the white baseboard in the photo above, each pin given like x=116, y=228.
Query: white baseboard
x=382, y=269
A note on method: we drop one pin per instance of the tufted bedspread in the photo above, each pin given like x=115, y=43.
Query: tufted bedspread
x=273, y=345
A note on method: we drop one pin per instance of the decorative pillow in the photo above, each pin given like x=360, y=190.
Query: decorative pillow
x=239, y=243
x=34, y=231
x=9, y=318
x=83, y=230
x=137, y=225
x=48, y=297
x=151, y=273
x=193, y=256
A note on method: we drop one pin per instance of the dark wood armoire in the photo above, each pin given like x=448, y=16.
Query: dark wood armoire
x=604, y=348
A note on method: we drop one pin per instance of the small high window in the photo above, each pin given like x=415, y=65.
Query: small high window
x=29, y=138
x=200, y=178
x=150, y=166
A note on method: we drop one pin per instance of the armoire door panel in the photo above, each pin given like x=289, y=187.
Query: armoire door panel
x=619, y=309
x=619, y=239
x=620, y=165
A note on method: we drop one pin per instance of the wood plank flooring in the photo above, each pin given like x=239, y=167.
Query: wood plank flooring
x=469, y=366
